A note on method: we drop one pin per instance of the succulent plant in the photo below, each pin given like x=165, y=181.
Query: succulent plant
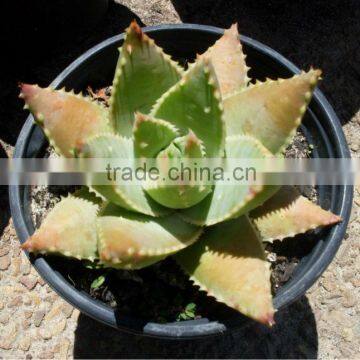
x=161, y=111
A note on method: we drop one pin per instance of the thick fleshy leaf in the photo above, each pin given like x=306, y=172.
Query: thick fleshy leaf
x=68, y=120
x=69, y=229
x=270, y=111
x=233, y=200
x=143, y=73
x=183, y=191
x=228, y=262
x=132, y=241
x=195, y=103
x=288, y=213
x=229, y=61
x=89, y=195
x=121, y=191
x=151, y=135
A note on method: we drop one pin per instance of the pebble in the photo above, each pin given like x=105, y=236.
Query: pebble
x=54, y=312
x=25, y=267
x=62, y=349
x=28, y=314
x=355, y=282
x=4, y=250
x=38, y=317
x=1, y=305
x=348, y=334
x=4, y=262
x=28, y=281
x=46, y=333
x=67, y=310
x=46, y=355
x=5, y=344
x=58, y=328
x=26, y=324
x=41, y=281
x=15, y=302
x=349, y=299
x=24, y=343
x=354, y=147
x=16, y=266
x=4, y=318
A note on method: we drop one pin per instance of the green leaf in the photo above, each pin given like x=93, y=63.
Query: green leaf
x=228, y=262
x=98, y=282
x=126, y=194
x=182, y=192
x=288, y=213
x=229, y=61
x=69, y=229
x=151, y=135
x=190, y=307
x=195, y=103
x=131, y=241
x=143, y=73
x=230, y=201
x=270, y=111
x=68, y=120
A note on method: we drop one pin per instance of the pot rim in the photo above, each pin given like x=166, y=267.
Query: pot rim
x=194, y=328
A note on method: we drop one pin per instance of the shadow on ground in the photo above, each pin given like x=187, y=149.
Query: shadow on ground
x=320, y=33
x=293, y=336
x=4, y=200
x=36, y=49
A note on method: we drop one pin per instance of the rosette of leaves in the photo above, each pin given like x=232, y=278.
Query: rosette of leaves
x=161, y=111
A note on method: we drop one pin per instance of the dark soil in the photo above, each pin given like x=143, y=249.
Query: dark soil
x=167, y=290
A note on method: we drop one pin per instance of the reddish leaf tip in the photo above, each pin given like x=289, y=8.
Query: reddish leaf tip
x=136, y=29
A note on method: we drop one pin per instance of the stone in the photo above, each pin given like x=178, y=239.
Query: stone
x=15, y=302
x=28, y=314
x=67, y=310
x=5, y=344
x=349, y=299
x=25, y=267
x=1, y=305
x=46, y=333
x=5, y=262
x=24, y=343
x=62, y=349
x=58, y=327
x=4, y=317
x=26, y=324
x=354, y=147
x=348, y=334
x=28, y=281
x=355, y=282
x=28, y=357
x=41, y=281
x=54, y=312
x=16, y=266
x=46, y=355
x=38, y=317
x=4, y=250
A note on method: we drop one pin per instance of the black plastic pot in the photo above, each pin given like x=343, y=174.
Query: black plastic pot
x=321, y=127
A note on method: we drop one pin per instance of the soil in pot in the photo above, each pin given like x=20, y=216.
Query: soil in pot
x=170, y=295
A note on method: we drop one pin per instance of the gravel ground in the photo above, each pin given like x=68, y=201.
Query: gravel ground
x=36, y=323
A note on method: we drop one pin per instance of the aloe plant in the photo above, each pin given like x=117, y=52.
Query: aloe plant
x=159, y=110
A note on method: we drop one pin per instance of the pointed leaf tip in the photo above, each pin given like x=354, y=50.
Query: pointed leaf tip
x=270, y=111
x=137, y=84
x=69, y=229
x=288, y=213
x=68, y=119
x=228, y=262
x=228, y=60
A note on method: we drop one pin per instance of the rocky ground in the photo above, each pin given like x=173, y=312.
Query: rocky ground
x=36, y=323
